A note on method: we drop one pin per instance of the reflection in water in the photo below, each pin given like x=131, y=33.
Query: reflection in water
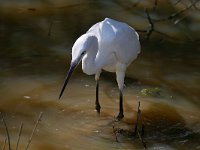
x=32, y=70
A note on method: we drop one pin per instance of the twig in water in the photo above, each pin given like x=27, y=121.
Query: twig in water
x=142, y=130
x=136, y=127
x=138, y=117
x=20, y=131
x=194, y=5
x=36, y=124
x=115, y=131
x=151, y=24
x=173, y=15
x=141, y=139
x=177, y=2
x=118, y=131
x=8, y=136
x=4, y=145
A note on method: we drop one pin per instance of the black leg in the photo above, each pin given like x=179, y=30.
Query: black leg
x=98, y=107
x=121, y=111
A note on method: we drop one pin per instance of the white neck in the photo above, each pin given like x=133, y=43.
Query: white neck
x=88, y=62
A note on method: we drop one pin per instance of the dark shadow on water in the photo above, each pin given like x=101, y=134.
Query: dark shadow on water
x=164, y=128
x=165, y=125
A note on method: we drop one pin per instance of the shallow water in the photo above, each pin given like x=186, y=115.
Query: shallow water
x=32, y=70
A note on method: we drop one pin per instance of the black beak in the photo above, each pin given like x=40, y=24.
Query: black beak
x=69, y=73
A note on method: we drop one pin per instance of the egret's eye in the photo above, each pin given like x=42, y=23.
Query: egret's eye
x=83, y=53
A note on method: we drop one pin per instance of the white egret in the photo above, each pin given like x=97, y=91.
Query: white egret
x=108, y=45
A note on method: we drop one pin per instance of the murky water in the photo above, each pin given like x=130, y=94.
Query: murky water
x=33, y=63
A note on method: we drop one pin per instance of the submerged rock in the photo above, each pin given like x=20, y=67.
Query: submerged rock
x=151, y=92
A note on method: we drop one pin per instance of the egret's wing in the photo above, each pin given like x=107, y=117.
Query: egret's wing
x=103, y=31
x=125, y=43
x=94, y=29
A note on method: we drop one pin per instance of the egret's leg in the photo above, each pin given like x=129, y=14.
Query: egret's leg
x=121, y=111
x=98, y=107
x=120, y=73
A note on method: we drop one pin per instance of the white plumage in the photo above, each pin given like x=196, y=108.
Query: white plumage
x=109, y=45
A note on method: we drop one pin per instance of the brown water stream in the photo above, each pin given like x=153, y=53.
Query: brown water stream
x=33, y=66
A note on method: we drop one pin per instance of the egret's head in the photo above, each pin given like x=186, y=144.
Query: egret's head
x=83, y=45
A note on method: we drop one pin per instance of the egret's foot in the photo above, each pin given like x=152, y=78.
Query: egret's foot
x=120, y=116
x=98, y=107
